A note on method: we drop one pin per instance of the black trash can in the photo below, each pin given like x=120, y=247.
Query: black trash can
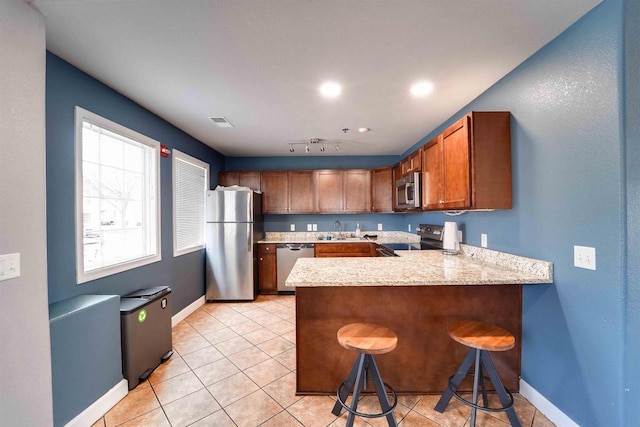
x=145, y=326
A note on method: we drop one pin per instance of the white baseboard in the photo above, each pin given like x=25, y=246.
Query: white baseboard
x=551, y=411
x=185, y=312
x=101, y=406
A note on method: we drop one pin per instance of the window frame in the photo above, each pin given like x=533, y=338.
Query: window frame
x=82, y=115
x=179, y=155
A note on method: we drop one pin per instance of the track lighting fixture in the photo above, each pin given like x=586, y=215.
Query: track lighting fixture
x=313, y=142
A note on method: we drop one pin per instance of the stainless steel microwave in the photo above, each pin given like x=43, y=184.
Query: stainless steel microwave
x=408, y=192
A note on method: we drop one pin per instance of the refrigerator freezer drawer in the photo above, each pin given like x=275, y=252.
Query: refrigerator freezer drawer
x=230, y=260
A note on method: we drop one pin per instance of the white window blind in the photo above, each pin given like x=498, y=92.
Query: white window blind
x=190, y=183
x=117, y=198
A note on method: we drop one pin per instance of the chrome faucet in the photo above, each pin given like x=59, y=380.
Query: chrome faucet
x=339, y=227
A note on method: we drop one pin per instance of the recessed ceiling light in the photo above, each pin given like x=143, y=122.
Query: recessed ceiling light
x=330, y=89
x=363, y=130
x=422, y=89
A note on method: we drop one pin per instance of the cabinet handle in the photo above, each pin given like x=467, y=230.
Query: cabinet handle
x=441, y=202
x=261, y=259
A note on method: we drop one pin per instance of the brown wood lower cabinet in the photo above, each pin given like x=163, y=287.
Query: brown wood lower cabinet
x=425, y=356
x=325, y=250
x=267, y=269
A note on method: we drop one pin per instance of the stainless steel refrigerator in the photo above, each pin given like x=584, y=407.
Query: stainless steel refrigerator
x=234, y=226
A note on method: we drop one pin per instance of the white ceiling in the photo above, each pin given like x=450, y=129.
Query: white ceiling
x=259, y=63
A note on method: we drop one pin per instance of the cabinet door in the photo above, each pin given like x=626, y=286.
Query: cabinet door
x=381, y=190
x=328, y=191
x=457, y=171
x=432, y=197
x=267, y=273
x=275, y=192
x=229, y=178
x=251, y=180
x=415, y=160
x=301, y=192
x=357, y=190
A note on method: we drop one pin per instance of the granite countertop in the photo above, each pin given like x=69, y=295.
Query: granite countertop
x=473, y=266
x=320, y=237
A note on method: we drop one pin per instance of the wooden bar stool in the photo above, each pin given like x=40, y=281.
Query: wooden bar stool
x=367, y=339
x=480, y=338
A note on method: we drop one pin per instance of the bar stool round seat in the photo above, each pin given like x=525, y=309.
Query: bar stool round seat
x=368, y=339
x=481, y=338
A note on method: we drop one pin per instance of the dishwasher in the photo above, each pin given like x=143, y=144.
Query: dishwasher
x=286, y=256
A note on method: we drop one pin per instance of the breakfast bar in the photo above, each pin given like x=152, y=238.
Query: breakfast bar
x=415, y=294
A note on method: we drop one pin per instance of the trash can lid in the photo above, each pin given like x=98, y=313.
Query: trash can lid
x=149, y=293
x=130, y=305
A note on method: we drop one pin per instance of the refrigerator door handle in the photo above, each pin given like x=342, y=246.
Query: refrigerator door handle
x=249, y=237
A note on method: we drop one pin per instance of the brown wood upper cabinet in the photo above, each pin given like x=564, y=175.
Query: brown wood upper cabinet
x=249, y=179
x=468, y=166
x=413, y=163
x=287, y=192
x=342, y=191
x=381, y=189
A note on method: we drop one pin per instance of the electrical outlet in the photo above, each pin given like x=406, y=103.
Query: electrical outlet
x=409, y=228
x=483, y=240
x=584, y=257
x=315, y=227
x=293, y=227
x=9, y=266
x=379, y=227
x=309, y=227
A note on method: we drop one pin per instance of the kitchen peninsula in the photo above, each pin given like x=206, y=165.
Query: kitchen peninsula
x=416, y=294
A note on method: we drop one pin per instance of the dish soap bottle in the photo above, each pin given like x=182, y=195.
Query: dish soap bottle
x=358, y=231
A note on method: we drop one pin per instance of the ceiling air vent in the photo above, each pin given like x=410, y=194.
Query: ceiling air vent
x=221, y=122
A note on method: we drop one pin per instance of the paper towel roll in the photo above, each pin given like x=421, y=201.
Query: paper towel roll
x=450, y=242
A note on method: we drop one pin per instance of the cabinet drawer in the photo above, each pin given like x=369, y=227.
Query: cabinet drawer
x=267, y=248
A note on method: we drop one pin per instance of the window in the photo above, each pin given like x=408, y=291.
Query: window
x=117, y=197
x=190, y=183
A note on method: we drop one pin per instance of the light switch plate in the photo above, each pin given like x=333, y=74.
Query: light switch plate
x=309, y=227
x=9, y=266
x=315, y=227
x=379, y=227
x=584, y=257
x=293, y=227
x=483, y=240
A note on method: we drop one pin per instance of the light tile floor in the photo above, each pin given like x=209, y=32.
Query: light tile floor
x=234, y=365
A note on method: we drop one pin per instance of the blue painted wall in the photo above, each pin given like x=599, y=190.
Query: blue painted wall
x=632, y=159
x=66, y=87
x=567, y=139
x=308, y=162
x=567, y=136
x=368, y=222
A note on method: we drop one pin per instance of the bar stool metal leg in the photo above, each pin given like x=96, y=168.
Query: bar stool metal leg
x=348, y=385
x=382, y=393
x=476, y=378
x=505, y=399
x=455, y=382
x=356, y=389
